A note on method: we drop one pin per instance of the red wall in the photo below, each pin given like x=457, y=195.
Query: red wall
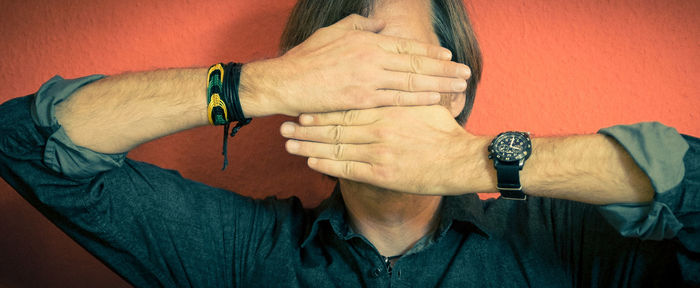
x=551, y=67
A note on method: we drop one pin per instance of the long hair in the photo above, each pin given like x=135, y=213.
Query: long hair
x=450, y=23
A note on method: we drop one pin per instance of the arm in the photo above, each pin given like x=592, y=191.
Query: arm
x=422, y=150
x=118, y=113
x=447, y=160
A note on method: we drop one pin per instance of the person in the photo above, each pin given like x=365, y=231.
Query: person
x=612, y=209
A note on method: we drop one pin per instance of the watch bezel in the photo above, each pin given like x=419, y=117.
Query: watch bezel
x=494, y=152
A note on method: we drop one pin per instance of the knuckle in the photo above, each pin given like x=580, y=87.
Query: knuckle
x=403, y=46
x=398, y=98
x=416, y=63
x=370, y=100
x=383, y=133
x=383, y=155
x=350, y=116
x=411, y=81
x=338, y=150
x=348, y=169
x=361, y=101
x=364, y=59
x=336, y=133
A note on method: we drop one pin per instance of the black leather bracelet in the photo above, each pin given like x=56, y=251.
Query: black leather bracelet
x=230, y=102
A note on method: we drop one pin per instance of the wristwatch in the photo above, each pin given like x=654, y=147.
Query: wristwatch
x=509, y=150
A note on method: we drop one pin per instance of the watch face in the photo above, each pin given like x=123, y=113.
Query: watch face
x=511, y=146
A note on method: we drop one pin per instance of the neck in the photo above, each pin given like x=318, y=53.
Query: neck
x=392, y=221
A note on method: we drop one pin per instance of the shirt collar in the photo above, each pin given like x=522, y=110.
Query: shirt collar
x=331, y=210
x=466, y=210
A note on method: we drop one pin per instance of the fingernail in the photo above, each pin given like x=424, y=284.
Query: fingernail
x=434, y=97
x=459, y=86
x=313, y=161
x=447, y=55
x=287, y=129
x=464, y=72
x=306, y=119
x=292, y=146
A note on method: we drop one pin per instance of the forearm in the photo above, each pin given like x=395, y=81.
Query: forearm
x=593, y=169
x=120, y=112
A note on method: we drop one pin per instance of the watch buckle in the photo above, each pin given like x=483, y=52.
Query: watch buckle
x=520, y=188
x=509, y=198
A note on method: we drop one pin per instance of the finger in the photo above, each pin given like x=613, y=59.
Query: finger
x=357, y=171
x=345, y=118
x=403, y=98
x=333, y=134
x=416, y=82
x=407, y=46
x=357, y=22
x=345, y=152
x=426, y=66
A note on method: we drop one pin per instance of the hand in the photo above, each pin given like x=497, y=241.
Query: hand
x=418, y=149
x=348, y=66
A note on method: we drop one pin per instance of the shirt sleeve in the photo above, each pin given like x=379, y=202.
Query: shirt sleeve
x=672, y=163
x=60, y=154
x=150, y=225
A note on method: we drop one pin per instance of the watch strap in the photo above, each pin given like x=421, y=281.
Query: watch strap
x=508, y=174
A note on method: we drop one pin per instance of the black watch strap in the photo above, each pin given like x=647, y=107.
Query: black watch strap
x=508, y=174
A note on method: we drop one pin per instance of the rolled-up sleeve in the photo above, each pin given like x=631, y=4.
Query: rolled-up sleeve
x=61, y=154
x=672, y=163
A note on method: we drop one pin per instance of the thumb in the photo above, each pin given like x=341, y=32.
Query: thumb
x=357, y=22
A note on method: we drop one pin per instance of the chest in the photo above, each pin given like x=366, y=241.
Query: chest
x=456, y=260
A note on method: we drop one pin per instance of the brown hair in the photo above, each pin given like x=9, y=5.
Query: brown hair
x=450, y=23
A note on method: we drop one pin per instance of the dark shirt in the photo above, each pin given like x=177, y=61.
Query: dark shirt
x=155, y=228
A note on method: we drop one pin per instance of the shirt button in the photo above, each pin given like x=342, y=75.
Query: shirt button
x=375, y=272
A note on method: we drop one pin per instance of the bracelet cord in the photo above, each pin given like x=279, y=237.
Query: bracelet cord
x=225, y=107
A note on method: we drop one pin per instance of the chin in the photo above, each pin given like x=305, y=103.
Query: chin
x=364, y=187
x=379, y=192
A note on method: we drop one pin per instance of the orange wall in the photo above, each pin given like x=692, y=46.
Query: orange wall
x=551, y=67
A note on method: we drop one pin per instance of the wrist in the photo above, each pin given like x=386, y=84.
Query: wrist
x=477, y=174
x=257, y=90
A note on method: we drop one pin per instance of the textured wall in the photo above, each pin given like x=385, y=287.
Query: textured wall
x=551, y=67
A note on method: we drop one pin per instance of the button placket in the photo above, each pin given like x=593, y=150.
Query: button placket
x=376, y=272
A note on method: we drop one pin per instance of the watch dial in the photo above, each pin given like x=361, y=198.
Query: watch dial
x=511, y=147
